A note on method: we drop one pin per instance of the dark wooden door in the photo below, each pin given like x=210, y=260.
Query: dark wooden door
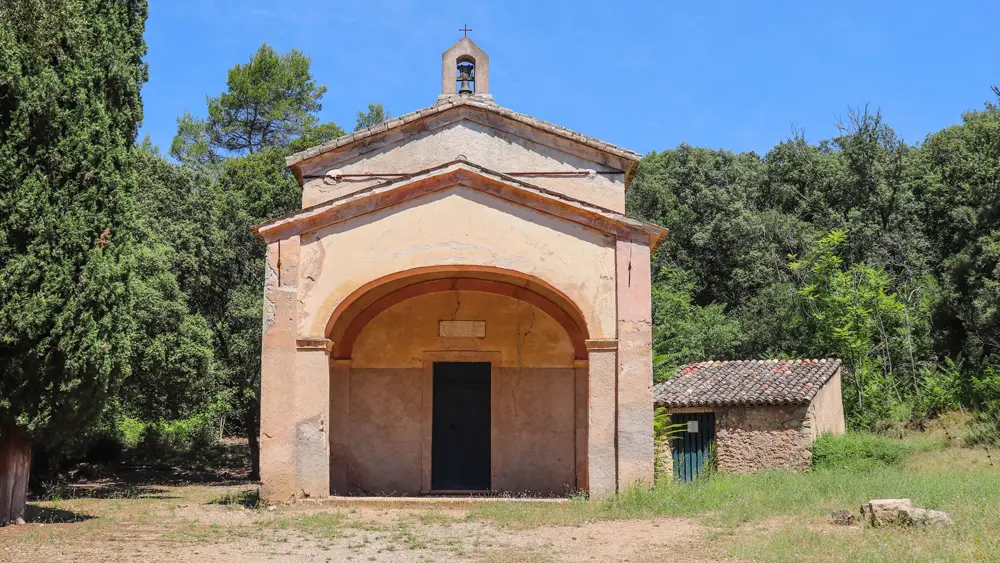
x=460, y=434
x=692, y=447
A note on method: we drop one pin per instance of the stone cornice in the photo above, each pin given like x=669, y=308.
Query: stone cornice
x=465, y=174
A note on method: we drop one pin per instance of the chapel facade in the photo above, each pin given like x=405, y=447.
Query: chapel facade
x=461, y=306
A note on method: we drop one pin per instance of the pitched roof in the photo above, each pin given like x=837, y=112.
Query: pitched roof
x=745, y=382
x=459, y=172
x=455, y=102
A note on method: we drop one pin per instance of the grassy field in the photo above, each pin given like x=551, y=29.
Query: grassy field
x=767, y=517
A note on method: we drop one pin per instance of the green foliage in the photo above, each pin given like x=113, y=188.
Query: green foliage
x=232, y=177
x=858, y=452
x=268, y=102
x=174, y=369
x=895, y=267
x=851, y=313
x=189, y=441
x=376, y=114
x=192, y=146
x=663, y=429
x=940, y=389
x=685, y=332
x=315, y=136
x=70, y=76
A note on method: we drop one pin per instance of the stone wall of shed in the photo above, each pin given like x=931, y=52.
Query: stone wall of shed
x=754, y=438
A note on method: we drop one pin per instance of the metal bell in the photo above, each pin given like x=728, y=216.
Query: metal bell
x=467, y=76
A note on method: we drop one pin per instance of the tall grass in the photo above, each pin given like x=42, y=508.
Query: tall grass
x=855, y=469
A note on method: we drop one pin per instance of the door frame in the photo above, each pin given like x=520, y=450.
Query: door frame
x=427, y=406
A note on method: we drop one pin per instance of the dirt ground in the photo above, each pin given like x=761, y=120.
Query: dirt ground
x=177, y=519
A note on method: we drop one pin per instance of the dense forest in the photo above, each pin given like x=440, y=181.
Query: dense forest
x=130, y=282
x=861, y=247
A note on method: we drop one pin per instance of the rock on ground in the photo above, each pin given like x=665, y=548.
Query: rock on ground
x=901, y=512
x=843, y=517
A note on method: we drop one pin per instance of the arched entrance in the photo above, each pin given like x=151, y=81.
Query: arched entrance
x=411, y=354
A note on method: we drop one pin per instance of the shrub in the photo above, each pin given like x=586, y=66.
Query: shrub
x=130, y=431
x=983, y=430
x=940, y=390
x=857, y=452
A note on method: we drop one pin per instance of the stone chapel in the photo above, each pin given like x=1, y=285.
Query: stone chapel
x=461, y=306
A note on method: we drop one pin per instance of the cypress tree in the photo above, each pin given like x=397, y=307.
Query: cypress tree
x=70, y=107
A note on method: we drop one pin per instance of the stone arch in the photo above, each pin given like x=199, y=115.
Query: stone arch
x=372, y=298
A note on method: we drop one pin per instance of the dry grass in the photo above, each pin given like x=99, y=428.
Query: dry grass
x=766, y=517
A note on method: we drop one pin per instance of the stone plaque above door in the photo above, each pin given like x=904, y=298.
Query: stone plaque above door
x=466, y=329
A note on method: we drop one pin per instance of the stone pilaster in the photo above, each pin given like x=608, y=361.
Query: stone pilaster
x=601, y=459
x=580, y=368
x=340, y=425
x=312, y=412
x=635, y=364
x=277, y=387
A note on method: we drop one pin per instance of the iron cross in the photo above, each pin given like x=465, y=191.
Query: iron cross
x=465, y=30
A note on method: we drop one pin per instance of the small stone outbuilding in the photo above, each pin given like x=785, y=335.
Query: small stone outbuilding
x=747, y=416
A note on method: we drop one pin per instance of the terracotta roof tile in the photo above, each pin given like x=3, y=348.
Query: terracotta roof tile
x=745, y=382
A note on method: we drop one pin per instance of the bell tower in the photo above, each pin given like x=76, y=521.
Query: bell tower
x=465, y=71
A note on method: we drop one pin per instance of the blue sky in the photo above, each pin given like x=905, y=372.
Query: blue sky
x=644, y=75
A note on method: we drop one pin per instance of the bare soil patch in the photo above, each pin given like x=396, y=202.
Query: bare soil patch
x=178, y=521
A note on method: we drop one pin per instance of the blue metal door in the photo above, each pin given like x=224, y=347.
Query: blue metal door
x=693, y=445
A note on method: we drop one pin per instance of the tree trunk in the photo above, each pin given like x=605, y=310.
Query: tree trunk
x=15, y=464
x=251, y=423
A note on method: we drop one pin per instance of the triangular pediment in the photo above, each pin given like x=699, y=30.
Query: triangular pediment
x=472, y=109
x=457, y=173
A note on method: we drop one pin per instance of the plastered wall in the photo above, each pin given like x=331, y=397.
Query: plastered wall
x=457, y=226
x=469, y=136
x=827, y=408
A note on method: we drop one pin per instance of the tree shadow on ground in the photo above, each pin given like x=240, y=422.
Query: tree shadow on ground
x=44, y=515
x=247, y=499
x=122, y=480
x=107, y=489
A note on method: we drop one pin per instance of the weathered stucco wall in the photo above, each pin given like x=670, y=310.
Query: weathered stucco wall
x=523, y=334
x=535, y=410
x=635, y=364
x=534, y=431
x=384, y=431
x=469, y=136
x=827, y=408
x=458, y=226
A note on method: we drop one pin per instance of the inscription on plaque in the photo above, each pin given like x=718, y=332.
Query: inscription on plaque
x=467, y=329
